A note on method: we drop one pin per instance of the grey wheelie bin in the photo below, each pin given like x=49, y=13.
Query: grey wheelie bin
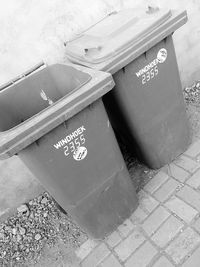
x=146, y=106
x=53, y=118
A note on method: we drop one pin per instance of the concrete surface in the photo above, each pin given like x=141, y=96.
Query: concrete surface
x=164, y=231
x=17, y=185
x=32, y=31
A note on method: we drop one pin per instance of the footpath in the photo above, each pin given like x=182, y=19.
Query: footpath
x=164, y=231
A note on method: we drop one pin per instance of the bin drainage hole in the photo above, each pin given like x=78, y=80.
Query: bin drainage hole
x=45, y=97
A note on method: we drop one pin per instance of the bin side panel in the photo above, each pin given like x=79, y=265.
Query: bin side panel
x=150, y=102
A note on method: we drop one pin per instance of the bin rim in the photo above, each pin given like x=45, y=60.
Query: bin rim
x=37, y=68
x=34, y=69
x=27, y=132
x=135, y=48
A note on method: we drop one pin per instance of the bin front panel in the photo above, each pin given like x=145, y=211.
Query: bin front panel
x=77, y=157
x=149, y=97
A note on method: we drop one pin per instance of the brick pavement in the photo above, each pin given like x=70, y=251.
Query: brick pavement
x=164, y=231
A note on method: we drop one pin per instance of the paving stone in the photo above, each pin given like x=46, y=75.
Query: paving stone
x=96, y=256
x=138, y=216
x=166, y=190
x=143, y=256
x=167, y=231
x=196, y=225
x=85, y=248
x=147, y=202
x=190, y=196
x=187, y=164
x=156, y=182
x=177, y=172
x=129, y=245
x=194, y=180
x=183, y=245
x=193, y=260
x=126, y=228
x=198, y=158
x=111, y=261
x=194, y=149
x=152, y=223
x=182, y=209
x=113, y=239
x=163, y=262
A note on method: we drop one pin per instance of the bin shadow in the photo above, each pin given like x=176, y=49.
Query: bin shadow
x=140, y=173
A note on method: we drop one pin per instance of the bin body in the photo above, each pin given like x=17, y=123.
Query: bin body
x=80, y=164
x=146, y=106
x=55, y=121
x=151, y=107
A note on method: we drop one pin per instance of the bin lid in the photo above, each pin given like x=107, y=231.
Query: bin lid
x=117, y=33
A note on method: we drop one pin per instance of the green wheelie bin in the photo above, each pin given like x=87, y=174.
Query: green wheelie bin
x=146, y=106
x=53, y=118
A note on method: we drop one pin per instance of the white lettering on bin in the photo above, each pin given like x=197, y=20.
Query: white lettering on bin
x=69, y=137
x=73, y=144
x=150, y=71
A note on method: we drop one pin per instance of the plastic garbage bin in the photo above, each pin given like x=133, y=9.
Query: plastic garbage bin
x=147, y=105
x=54, y=119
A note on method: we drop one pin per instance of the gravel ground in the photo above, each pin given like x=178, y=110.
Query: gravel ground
x=192, y=98
x=40, y=234
x=38, y=227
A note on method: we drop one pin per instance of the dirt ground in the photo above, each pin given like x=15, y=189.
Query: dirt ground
x=40, y=234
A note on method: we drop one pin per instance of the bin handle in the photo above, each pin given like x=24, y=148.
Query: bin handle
x=23, y=75
x=94, y=49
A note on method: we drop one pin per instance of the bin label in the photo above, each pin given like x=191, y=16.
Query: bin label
x=151, y=70
x=72, y=144
x=162, y=55
x=80, y=153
